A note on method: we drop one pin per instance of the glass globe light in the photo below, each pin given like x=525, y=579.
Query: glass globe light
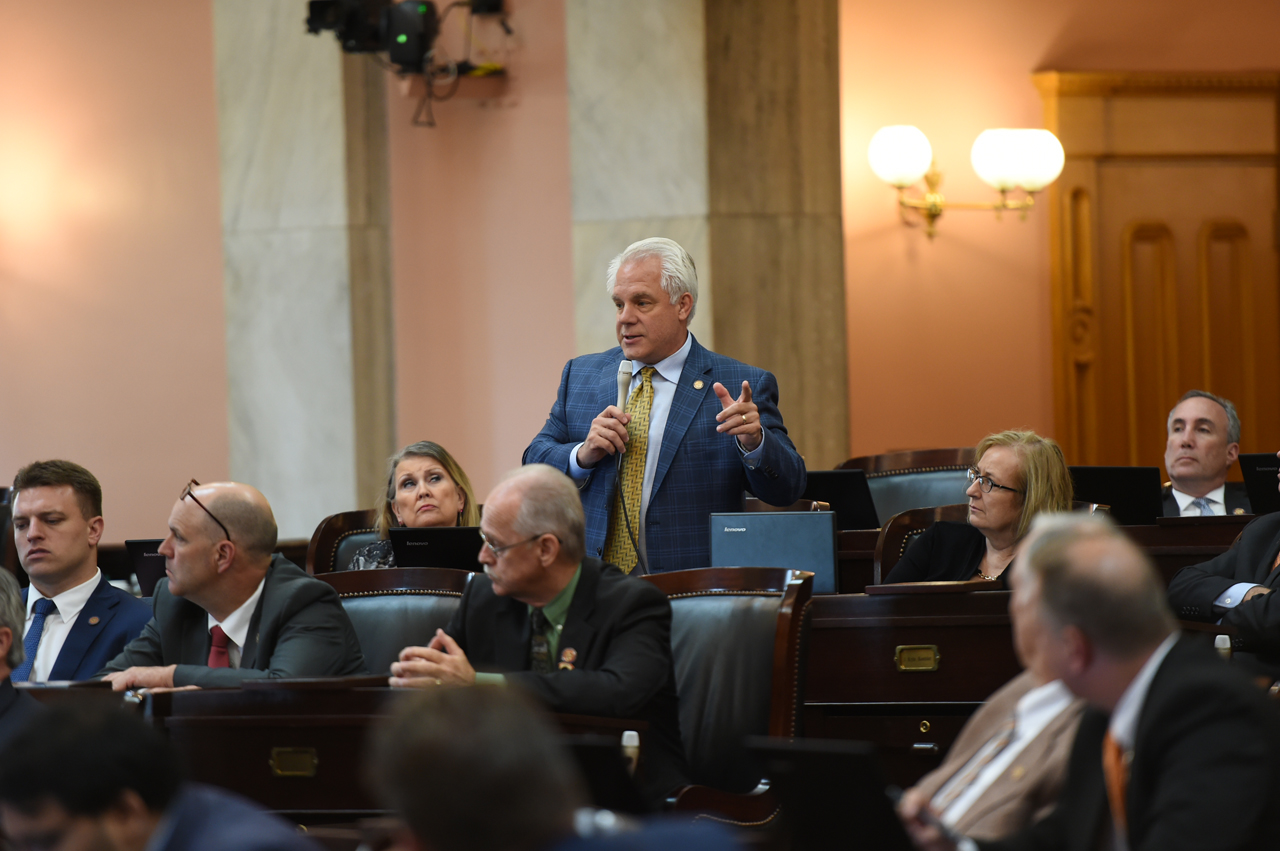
x=900, y=154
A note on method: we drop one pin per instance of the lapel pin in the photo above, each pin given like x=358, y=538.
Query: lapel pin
x=1238, y=511
x=569, y=655
x=1017, y=772
x=93, y=620
x=566, y=666
x=698, y=385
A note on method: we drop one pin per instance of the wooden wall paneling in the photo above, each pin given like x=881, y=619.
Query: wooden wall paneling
x=776, y=240
x=1228, y=348
x=1149, y=290
x=1160, y=282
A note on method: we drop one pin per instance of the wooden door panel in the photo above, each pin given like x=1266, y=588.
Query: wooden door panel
x=1165, y=271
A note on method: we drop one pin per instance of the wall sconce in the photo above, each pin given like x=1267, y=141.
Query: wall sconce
x=1005, y=159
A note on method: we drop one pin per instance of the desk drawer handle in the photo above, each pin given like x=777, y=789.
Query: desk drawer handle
x=294, y=762
x=924, y=747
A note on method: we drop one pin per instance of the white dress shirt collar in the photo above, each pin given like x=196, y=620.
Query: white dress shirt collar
x=669, y=367
x=71, y=601
x=236, y=626
x=1217, y=497
x=1124, y=720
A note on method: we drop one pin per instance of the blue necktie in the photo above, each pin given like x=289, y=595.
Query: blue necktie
x=1202, y=503
x=31, y=643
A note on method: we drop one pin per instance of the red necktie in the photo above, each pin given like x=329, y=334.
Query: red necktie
x=218, y=656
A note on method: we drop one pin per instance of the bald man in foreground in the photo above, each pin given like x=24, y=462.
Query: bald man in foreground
x=1177, y=750
x=231, y=610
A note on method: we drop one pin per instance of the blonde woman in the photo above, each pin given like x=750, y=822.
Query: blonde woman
x=425, y=487
x=1016, y=475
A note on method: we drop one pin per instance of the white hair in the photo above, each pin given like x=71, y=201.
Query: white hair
x=678, y=273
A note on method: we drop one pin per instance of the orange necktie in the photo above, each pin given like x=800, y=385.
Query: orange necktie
x=1115, y=768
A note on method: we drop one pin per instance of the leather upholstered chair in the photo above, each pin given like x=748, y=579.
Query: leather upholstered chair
x=924, y=478
x=905, y=527
x=394, y=608
x=737, y=642
x=338, y=537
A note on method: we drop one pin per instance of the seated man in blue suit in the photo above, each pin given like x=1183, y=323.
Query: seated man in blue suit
x=687, y=446
x=76, y=621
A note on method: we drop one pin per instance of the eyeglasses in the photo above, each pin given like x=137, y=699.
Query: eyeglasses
x=187, y=492
x=498, y=551
x=985, y=482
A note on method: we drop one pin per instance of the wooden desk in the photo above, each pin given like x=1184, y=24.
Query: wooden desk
x=854, y=689
x=298, y=747
x=855, y=559
x=1176, y=542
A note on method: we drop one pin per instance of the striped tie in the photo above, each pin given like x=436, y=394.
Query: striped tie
x=618, y=548
x=963, y=779
x=1202, y=503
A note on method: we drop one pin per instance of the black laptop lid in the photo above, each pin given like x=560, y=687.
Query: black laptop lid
x=457, y=547
x=1132, y=492
x=1260, y=471
x=832, y=794
x=148, y=564
x=848, y=494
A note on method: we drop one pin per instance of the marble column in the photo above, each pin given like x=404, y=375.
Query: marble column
x=638, y=146
x=302, y=133
x=774, y=200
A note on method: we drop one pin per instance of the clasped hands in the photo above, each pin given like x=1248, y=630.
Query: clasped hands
x=440, y=663
x=608, y=435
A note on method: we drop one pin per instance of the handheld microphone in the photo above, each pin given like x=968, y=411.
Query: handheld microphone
x=624, y=383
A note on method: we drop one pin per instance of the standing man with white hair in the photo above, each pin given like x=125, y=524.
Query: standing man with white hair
x=696, y=431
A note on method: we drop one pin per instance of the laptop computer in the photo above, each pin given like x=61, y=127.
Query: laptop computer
x=457, y=547
x=832, y=794
x=1260, y=470
x=148, y=564
x=1132, y=492
x=800, y=540
x=848, y=494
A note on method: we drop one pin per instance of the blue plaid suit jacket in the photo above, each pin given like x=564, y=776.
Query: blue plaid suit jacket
x=699, y=470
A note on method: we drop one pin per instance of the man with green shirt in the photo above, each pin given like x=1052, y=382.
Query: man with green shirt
x=575, y=632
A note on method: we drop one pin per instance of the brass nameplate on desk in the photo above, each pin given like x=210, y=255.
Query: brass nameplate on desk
x=294, y=762
x=916, y=657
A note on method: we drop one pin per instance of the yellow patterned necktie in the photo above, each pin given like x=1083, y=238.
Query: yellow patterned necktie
x=618, y=548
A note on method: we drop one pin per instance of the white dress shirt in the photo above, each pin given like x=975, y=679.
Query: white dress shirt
x=666, y=377
x=57, y=625
x=236, y=626
x=1033, y=712
x=1217, y=503
x=1124, y=719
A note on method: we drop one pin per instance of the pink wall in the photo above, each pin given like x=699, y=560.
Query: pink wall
x=951, y=338
x=111, y=319
x=482, y=255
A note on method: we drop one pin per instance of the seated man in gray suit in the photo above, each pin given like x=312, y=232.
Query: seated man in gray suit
x=1203, y=442
x=231, y=610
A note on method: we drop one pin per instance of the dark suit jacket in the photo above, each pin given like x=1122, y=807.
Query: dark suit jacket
x=202, y=818
x=945, y=552
x=699, y=470
x=1205, y=772
x=659, y=835
x=110, y=619
x=299, y=629
x=16, y=709
x=1194, y=588
x=1234, y=494
x=619, y=631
